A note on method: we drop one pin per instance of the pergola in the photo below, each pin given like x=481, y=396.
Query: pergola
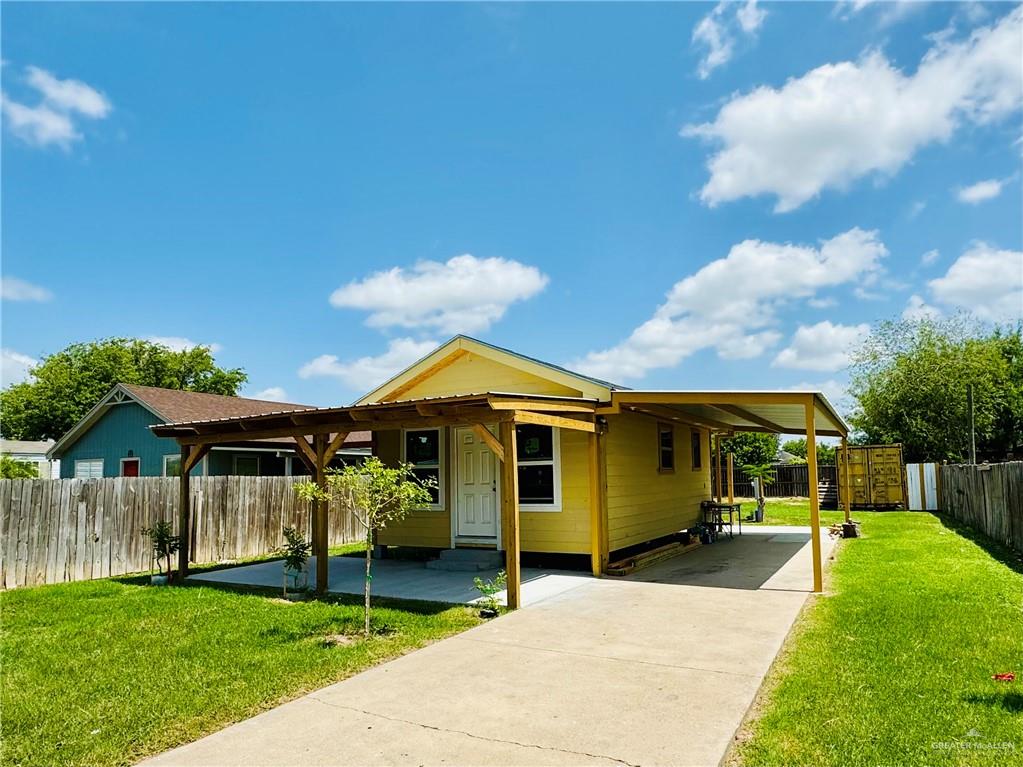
x=319, y=433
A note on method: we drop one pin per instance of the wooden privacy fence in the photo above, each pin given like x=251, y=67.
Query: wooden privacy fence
x=789, y=481
x=988, y=498
x=57, y=530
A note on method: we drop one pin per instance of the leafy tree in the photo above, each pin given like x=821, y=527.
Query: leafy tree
x=12, y=468
x=64, y=386
x=750, y=447
x=825, y=452
x=910, y=381
x=376, y=495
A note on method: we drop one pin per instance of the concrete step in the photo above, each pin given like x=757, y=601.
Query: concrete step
x=467, y=560
x=457, y=567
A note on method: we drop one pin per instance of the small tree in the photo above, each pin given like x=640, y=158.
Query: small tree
x=295, y=552
x=375, y=495
x=764, y=474
x=165, y=543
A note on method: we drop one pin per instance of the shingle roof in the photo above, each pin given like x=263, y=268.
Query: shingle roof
x=175, y=405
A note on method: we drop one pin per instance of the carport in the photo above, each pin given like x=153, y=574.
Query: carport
x=319, y=432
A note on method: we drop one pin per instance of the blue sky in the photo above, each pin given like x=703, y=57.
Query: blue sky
x=666, y=195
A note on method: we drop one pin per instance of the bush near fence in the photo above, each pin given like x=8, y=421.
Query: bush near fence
x=987, y=497
x=58, y=530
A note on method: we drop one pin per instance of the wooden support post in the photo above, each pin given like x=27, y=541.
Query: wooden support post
x=719, y=467
x=320, y=515
x=184, y=514
x=731, y=478
x=510, y=513
x=596, y=508
x=815, y=501
x=843, y=481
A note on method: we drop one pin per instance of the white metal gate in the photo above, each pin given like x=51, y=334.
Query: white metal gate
x=922, y=484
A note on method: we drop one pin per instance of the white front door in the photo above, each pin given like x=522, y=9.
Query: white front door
x=475, y=487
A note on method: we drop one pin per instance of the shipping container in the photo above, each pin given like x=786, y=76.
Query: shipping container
x=876, y=475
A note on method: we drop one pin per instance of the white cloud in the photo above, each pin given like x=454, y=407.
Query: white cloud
x=836, y=391
x=824, y=346
x=180, y=344
x=981, y=191
x=822, y=303
x=52, y=119
x=14, y=367
x=731, y=303
x=272, y=393
x=889, y=12
x=366, y=373
x=930, y=257
x=918, y=309
x=750, y=17
x=464, y=294
x=984, y=280
x=14, y=289
x=716, y=32
x=841, y=122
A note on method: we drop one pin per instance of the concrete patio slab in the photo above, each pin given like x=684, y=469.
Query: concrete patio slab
x=401, y=579
x=655, y=669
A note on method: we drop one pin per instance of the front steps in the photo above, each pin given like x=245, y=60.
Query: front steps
x=467, y=560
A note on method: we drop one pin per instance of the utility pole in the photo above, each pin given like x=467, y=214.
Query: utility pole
x=973, y=431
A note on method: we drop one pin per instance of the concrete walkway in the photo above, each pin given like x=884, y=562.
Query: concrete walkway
x=655, y=669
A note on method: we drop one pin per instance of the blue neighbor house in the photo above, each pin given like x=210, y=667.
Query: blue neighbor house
x=114, y=439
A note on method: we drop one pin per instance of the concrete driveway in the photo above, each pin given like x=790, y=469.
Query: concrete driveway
x=655, y=669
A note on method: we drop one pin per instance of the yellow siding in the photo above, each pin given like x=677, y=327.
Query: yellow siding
x=421, y=528
x=642, y=503
x=473, y=374
x=566, y=531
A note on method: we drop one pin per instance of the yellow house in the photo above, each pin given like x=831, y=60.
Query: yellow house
x=653, y=449
x=528, y=456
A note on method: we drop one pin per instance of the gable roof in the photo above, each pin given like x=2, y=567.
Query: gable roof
x=174, y=405
x=592, y=387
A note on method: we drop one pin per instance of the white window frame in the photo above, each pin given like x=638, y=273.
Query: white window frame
x=234, y=465
x=554, y=461
x=177, y=456
x=129, y=458
x=442, y=469
x=91, y=475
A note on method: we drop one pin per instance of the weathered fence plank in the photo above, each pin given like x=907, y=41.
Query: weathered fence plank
x=988, y=498
x=58, y=530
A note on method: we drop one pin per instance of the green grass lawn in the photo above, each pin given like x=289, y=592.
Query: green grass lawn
x=791, y=511
x=106, y=672
x=893, y=665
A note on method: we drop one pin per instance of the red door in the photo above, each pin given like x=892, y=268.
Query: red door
x=130, y=467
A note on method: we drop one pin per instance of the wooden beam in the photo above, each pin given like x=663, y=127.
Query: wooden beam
x=815, y=503
x=719, y=469
x=626, y=397
x=491, y=441
x=184, y=516
x=731, y=479
x=541, y=405
x=510, y=514
x=195, y=454
x=558, y=421
x=843, y=481
x=746, y=415
x=333, y=446
x=320, y=537
x=597, y=558
x=303, y=447
x=410, y=421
